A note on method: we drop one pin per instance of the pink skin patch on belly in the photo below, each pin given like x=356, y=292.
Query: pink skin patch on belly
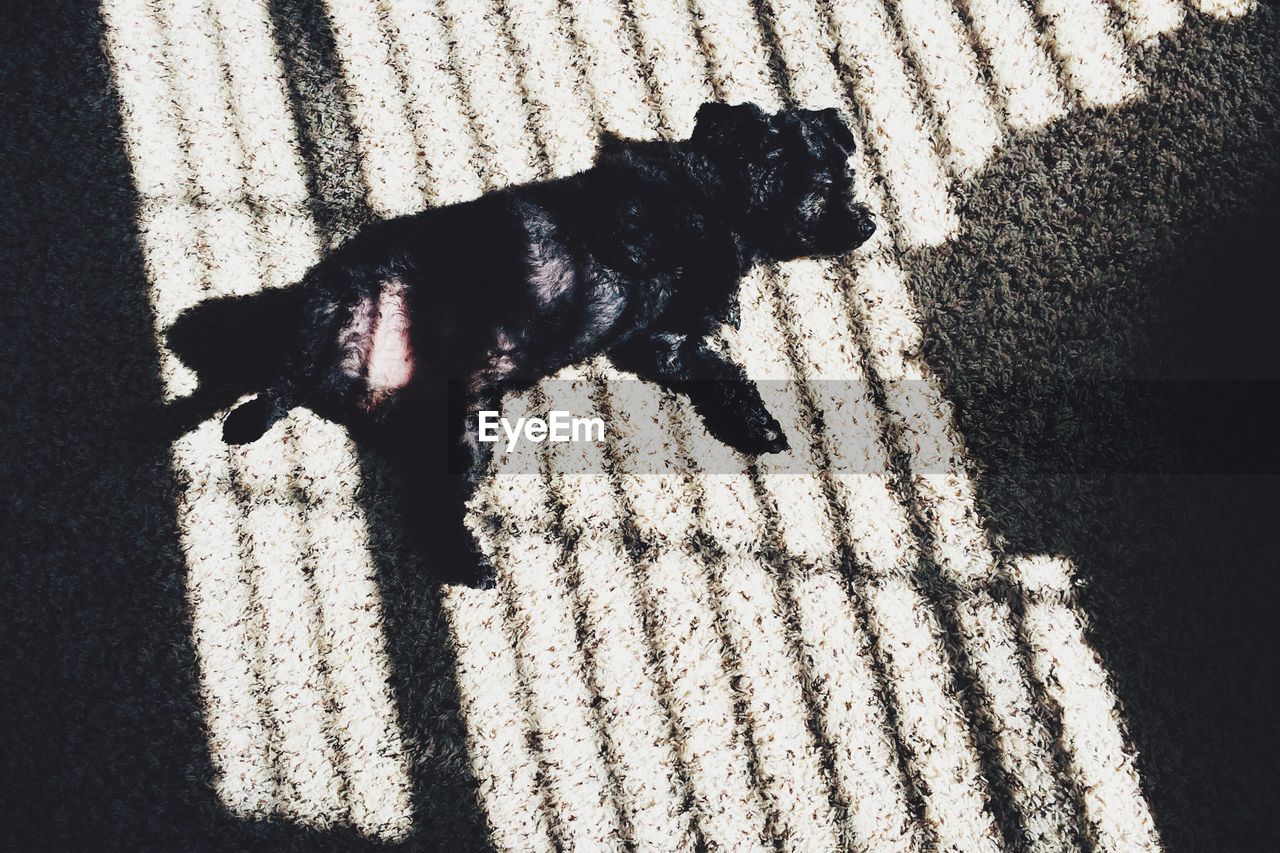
x=390, y=364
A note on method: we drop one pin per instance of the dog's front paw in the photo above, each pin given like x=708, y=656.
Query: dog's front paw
x=764, y=438
x=474, y=571
x=482, y=577
x=752, y=436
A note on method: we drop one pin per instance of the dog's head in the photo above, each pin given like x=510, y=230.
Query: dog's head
x=786, y=177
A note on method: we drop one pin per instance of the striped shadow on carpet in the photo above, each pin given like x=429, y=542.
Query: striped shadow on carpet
x=776, y=666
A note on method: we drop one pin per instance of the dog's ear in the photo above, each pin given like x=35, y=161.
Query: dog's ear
x=720, y=121
x=834, y=124
x=612, y=146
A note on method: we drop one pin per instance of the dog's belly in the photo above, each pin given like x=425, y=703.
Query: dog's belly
x=376, y=345
x=391, y=352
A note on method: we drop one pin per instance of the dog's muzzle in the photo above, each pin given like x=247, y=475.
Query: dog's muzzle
x=865, y=224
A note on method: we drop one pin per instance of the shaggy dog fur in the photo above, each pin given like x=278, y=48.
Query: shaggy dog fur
x=640, y=257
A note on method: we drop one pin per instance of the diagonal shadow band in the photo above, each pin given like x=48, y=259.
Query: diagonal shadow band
x=422, y=663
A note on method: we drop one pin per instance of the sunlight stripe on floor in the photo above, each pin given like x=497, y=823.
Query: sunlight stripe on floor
x=136, y=50
x=226, y=644
x=636, y=725
x=712, y=744
x=496, y=706
x=497, y=724
x=562, y=122
x=533, y=571
x=1023, y=73
x=776, y=708
x=260, y=114
x=853, y=717
x=679, y=71
x=877, y=529
x=393, y=175
x=950, y=71
x=489, y=79
x=730, y=812
x=441, y=128
x=609, y=609
x=1089, y=50
x=364, y=720
x=541, y=628
x=874, y=519
x=228, y=234
x=879, y=533
x=1148, y=19
x=534, y=627
x=731, y=42
x=909, y=162
x=1225, y=8
x=790, y=765
x=610, y=603
x=285, y=610
x=749, y=603
x=1025, y=746
x=1105, y=771
x=700, y=694
x=931, y=723
x=791, y=479
x=610, y=68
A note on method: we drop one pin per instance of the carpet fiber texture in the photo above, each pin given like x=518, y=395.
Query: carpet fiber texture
x=1012, y=589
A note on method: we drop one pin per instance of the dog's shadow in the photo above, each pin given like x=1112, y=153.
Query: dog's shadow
x=232, y=344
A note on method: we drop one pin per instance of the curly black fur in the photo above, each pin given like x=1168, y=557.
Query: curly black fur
x=639, y=257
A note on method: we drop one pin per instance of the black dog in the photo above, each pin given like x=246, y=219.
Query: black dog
x=445, y=311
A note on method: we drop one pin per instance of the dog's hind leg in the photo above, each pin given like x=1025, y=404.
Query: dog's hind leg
x=249, y=421
x=435, y=440
x=721, y=392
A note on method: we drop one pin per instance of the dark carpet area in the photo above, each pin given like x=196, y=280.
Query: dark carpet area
x=1111, y=350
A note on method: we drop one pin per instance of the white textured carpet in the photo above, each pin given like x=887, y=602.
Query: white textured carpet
x=771, y=668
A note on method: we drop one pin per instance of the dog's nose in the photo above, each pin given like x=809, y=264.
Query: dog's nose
x=866, y=227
